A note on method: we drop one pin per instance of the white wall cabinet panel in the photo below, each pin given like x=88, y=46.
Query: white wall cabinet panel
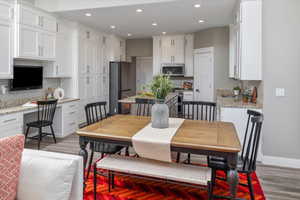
x=239, y=117
x=173, y=49
x=179, y=49
x=245, y=61
x=28, y=42
x=189, y=51
x=6, y=41
x=35, y=34
x=156, y=55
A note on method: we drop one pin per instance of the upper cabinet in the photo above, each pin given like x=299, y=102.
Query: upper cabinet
x=6, y=40
x=63, y=65
x=177, y=49
x=35, y=34
x=246, y=42
x=172, y=48
x=117, y=48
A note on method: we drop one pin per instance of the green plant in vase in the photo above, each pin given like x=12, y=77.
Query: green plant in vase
x=161, y=86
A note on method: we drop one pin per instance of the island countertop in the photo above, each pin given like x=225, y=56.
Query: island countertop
x=131, y=100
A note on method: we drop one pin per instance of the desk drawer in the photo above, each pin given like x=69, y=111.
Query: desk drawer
x=10, y=120
x=70, y=107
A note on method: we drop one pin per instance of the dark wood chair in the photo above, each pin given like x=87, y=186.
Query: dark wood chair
x=144, y=106
x=247, y=159
x=45, y=115
x=197, y=110
x=96, y=112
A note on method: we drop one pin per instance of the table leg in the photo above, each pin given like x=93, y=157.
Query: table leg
x=233, y=176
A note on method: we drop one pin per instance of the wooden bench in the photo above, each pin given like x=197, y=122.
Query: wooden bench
x=154, y=170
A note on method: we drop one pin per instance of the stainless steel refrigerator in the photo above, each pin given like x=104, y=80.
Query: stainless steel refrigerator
x=121, y=84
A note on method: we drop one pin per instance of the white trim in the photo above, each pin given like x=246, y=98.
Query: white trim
x=281, y=162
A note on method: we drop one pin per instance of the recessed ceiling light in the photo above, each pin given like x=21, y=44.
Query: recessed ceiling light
x=201, y=21
x=129, y=34
x=88, y=14
x=164, y=33
x=112, y=26
x=139, y=10
x=197, y=5
x=154, y=24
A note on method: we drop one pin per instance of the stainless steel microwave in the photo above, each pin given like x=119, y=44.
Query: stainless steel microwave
x=173, y=69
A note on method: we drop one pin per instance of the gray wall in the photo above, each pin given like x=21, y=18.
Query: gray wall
x=139, y=47
x=281, y=63
x=219, y=39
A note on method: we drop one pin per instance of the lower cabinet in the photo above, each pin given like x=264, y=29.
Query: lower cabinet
x=239, y=117
x=11, y=124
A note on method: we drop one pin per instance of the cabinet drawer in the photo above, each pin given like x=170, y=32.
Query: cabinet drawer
x=70, y=107
x=70, y=127
x=11, y=119
x=10, y=132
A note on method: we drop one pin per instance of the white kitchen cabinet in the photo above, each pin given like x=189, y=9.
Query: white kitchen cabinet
x=116, y=48
x=189, y=52
x=11, y=124
x=69, y=119
x=34, y=34
x=63, y=65
x=47, y=45
x=156, y=55
x=246, y=42
x=6, y=41
x=173, y=49
x=239, y=117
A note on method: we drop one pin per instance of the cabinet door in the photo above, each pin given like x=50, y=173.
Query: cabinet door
x=156, y=56
x=6, y=11
x=189, y=51
x=29, y=42
x=47, y=43
x=6, y=49
x=167, y=49
x=28, y=16
x=178, y=48
x=48, y=23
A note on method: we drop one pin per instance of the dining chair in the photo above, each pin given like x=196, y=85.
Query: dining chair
x=197, y=110
x=45, y=115
x=96, y=112
x=144, y=106
x=247, y=158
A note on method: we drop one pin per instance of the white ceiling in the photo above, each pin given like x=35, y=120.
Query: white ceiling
x=178, y=16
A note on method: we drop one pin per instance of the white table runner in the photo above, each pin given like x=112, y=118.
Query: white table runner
x=153, y=143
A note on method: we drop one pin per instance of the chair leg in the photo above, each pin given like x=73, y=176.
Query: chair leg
x=95, y=181
x=250, y=186
x=113, y=180
x=127, y=151
x=90, y=163
x=213, y=182
x=53, y=134
x=178, y=157
x=109, y=181
x=189, y=159
x=40, y=138
x=26, y=134
x=210, y=195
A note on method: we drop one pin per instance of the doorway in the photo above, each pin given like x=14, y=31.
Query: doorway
x=204, y=74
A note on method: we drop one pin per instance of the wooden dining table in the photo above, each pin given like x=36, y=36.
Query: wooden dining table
x=195, y=137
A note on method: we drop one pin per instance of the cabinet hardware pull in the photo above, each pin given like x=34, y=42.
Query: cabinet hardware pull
x=73, y=123
x=71, y=113
x=9, y=120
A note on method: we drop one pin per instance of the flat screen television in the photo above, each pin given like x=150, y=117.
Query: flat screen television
x=27, y=78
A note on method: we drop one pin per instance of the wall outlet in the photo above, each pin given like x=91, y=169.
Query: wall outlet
x=280, y=92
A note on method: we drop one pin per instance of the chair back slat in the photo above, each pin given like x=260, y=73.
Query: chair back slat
x=199, y=110
x=251, y=141
x=144, y=106
x=46, y=110
x=95, y=112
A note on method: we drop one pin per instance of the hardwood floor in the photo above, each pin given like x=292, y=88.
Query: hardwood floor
x=278, y=183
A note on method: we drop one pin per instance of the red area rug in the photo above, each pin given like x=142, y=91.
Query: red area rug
x=138, y=189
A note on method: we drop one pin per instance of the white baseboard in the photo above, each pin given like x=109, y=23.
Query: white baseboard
x=281, y=162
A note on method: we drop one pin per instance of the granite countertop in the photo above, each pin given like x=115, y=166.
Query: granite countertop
x=20, y=108
x=232, y=102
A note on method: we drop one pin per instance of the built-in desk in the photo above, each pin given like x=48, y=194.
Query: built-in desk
x=13, y=120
